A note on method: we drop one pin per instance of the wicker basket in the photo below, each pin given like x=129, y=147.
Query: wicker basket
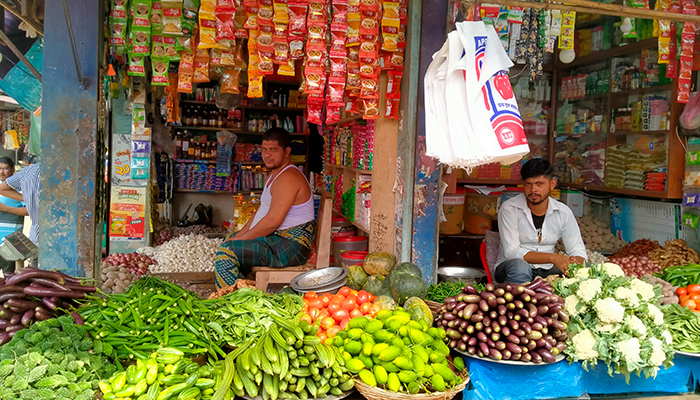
x=375, y=393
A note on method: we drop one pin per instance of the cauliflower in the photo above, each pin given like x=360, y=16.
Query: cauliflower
x=588, y=289
x=609, y=310
x=657, y=353
x=637, y=326
x=666, y=336
x=613, y=270
x=645, y=290
x=656, y=314
x=583, y=273
x=570, y=305
x=584, y=343
x=608, y=328
x=627, y=295
x=568, y=282
x=630, y=349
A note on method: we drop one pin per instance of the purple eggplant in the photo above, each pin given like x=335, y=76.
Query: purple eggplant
x=505, y=331
x=28, y=274
x=72, y=294
x=14, y=328
x=28, y=317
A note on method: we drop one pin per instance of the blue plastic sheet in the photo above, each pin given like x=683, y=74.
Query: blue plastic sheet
x=20, y=84
x=499, y=381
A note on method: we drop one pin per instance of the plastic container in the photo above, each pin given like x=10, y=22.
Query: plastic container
x=453, y=208
x=480, y=211
x=510, y=193
x=342, y=227
x=347, y=243
x=350, y=258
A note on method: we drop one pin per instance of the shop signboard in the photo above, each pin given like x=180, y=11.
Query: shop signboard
x=127, y=216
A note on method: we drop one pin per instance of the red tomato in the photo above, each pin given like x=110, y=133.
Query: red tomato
x=333, y=330
x=344, y=291
x=326, y=298
x=313, y=313
x=316, y=303
x=324, y=313
x=310, y=295
x=350, y=303
x=327, y=322
x=353, y=292
x=344, y=322
x=362, y=297
x=356, y=313
x=683, y=298
x=689, y=304
x=694, y=288
x=323, y=336
x=340, y=314
x=375, y=309
x=372, y=298
x=366, y=308
x=307, y=318
x=695, y=297
x=334, y=306
x=681, y=291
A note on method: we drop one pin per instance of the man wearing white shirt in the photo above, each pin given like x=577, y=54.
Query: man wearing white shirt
x=530, y=225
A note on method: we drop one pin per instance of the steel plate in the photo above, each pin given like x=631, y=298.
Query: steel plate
x=318, y=278
x=694, y=355
x=328, y=289
x=559, y=358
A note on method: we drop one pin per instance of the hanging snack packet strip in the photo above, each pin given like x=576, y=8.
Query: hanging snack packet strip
x=157, y=16
x=119, y=24
x=207, y=25
x=664, y=33
x=239, y=21
x=280, y=38
x=354, y=20
x=225, y=20
x=172, y=17
x=157, y=45
x=265, y=44
x=297, y=16
x=686, y=58
x=185, y=72
x=568, y=25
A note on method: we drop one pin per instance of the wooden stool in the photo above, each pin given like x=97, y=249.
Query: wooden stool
x=267, y=275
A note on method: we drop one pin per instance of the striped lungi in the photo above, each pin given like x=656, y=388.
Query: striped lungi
x=236, y=258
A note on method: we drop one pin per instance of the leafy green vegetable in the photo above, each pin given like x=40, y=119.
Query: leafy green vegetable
x=52, y=360
x=443, y=290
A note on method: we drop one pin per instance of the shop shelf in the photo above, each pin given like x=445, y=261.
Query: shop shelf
x=196, y=161
x=203, y=191
x=590, y=97
x=477, y=181
x=643, y=91
x=602, y=56
x=266, y=108
x=622, y=133
x=207, y=103
x=629, y=192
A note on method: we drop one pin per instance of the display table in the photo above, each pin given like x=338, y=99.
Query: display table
x=498, y=381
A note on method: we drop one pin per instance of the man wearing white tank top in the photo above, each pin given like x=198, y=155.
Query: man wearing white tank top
x=281, y=232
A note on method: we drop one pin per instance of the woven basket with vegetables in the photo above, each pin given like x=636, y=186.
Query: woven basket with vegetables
x=398, y=355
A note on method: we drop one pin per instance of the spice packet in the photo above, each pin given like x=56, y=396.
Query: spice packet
x=392, y=108
x=332, y=114
x=201, y=66
x=390, y=34
x=136, y=65
x=140, y=40
x=317, y=12
x=340, y=12
x=157, y=46
x=287, y=69
x=371, y=109
x=170, y=45
x=281, y=12
x=568, y=25
x=393, y=86
x=225, y=20
x=230, y=80
x=140, y=13
x=172, y=17
x=189, y=21
x=239, y=23
x=157, y=16
x=160, y=71
x=255, y=87
x=215, y=57
x=207, y=30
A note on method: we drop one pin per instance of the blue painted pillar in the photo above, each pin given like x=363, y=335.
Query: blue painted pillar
x=69, y=137
x=426, y=218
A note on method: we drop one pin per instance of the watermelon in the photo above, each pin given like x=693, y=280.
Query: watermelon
x=379, y=263
x=373, y=284
x=405, y=285
x=356, y=277
x=386, y=302
x=419, y=310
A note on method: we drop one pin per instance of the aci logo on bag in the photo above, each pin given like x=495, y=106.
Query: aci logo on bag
x=505, y=118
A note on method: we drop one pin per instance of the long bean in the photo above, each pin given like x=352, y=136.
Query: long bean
x=684, y=326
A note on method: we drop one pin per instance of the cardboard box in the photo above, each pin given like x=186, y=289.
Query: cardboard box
x=573, y=199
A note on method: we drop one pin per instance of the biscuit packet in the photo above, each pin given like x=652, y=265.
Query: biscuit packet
x=185, y=73
x=281, y=12
x=140, y=40
x=318, y=10
x=172, y=17
x=171, y=46
x=201, y=66
x=157, y=45
x=207, y=30
x=287, y=69
x=297, y=16
x=157, y=16
x=140, y=12
x=159, y=68
x=296, y=47
x=225, y=19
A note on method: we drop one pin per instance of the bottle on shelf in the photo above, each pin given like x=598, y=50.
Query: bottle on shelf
x=275, y=99
x=214, y=151
x=187, y=116
x=195, y=116
x=178, y=145
x=213, y=118
x=190, y=151
x=197, y=151
x=220, y=119
x=238, y=118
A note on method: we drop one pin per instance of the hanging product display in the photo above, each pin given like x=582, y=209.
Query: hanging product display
x=472, y=117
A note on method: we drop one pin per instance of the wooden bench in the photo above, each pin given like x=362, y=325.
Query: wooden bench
x=265, y=276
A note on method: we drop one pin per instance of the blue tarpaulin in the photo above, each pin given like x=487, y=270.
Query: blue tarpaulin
x=20, y=84
x=550, y=381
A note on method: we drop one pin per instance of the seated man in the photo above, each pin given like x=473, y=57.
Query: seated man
x=281, y=232
x=530, y=225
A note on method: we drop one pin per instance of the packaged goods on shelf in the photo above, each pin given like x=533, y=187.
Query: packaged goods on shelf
x=195, y=176
x=351, y=145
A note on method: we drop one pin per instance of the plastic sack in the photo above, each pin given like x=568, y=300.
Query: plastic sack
x=689, y=121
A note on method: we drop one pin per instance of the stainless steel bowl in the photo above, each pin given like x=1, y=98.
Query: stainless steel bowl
x=465, y=274
x=318, y=279
x=332, y=289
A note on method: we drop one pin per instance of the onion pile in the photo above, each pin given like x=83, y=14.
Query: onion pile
x=137, y=264
x=115, y=278
x=637, y=266
x=506, y=322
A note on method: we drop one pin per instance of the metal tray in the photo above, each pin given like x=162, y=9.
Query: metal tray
x=332, y=289
x=318, y=278
x=329, y=397
x=465, y=274
x=559, y=358
x=694, y=355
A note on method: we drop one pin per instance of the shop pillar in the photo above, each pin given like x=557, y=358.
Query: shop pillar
x=417, y=226
x=70, y=173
